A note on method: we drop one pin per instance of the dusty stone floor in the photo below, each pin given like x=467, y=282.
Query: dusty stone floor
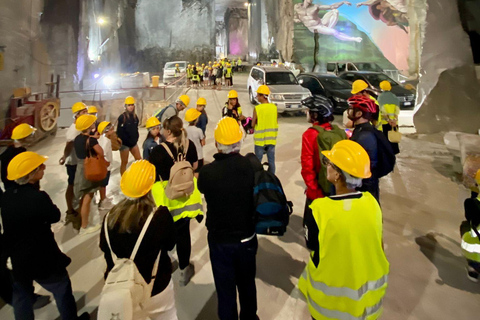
x=422, y=204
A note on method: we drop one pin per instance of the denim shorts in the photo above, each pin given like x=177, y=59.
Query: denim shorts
x=123, y=147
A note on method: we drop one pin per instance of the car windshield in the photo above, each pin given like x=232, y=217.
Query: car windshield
x=331, y=67
x=366, y=66
x=333, y=83
x=375, y=79
x=171, y=65
x=275, y=78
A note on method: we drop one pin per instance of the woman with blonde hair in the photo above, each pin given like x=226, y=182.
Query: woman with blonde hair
x=177, y=147
x=122, y=227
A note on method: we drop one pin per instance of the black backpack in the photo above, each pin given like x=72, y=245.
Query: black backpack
x=386, y=156
x=272, y=208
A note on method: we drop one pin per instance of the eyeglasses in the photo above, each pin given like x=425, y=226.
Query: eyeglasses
x=327, y=162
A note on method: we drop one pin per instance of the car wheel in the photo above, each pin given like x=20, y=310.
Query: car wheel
x=252, y=98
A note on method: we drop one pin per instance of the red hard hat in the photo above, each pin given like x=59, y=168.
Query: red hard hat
x=363, y=103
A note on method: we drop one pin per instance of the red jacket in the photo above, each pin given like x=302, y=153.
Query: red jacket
x=311, y=161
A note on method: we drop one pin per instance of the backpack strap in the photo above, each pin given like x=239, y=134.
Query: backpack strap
x=163, y=144
x=105, y=226
x=140, y=237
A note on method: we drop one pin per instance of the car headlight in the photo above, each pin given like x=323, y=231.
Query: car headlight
x=339, y=99
x=306, y=95
x=276, y=97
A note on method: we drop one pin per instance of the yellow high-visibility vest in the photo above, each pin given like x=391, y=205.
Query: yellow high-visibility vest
x=389, y=112
x=266, y=128
x=471, y=246
x=351, y=277
x=228, y=74
x=185, y=207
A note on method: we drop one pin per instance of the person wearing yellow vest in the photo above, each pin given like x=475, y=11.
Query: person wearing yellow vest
x=389, y=111
x=182, y=209
x=346, y=275
x=228, y=75
x=189, y=74
x=265, y=122
x=470, y=232
x=228, y=184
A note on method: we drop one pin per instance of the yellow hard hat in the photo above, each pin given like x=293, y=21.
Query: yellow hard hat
x=102, y=126
x=359, y=85
x=258, y=64
x=477, y=177
x=84, y=122
x=232, y=94
x=192, y=114
x=203, y=64
x=350, y=156
x=184, y=99
x=22, y=131
x=209, y=62
x=138, y=180
x=228, y=131
x=197, y=63
x=210, y=68
x=263, y=89
x=129, y=100
x=23, y=164
x=78, y=106
x=385, y=85
x=92, y=109
x=202, y=101
x=152, y=122
x=176, y=65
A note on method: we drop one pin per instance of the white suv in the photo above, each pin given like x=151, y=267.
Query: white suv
x=169, y=70
x=286, y=93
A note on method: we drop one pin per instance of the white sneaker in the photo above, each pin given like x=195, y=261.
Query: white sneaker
x=105, y=204
x=186, y=274
x=88, y=230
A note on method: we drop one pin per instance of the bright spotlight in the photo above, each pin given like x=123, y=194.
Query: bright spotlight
x=108, y=81
x=101, y=21
x=96, y=75
x=246, y=4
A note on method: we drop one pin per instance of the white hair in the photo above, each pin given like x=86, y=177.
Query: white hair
x=25, y=179
x=223, y=148
x=351, y=181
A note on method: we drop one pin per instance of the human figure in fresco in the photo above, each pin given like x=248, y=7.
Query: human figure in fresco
x=307, y=13
x=391, y=12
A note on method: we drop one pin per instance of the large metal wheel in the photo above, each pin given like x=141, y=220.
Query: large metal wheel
x=48, y=116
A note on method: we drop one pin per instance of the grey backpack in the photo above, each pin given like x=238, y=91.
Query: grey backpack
x=181, y=182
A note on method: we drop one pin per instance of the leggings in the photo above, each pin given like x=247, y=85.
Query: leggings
x=184, y=246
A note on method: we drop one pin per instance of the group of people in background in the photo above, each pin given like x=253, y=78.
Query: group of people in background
x=214, y=74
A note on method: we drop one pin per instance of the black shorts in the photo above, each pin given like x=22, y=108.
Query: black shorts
x=105, y=181
x=201, y=78
x=71, y=170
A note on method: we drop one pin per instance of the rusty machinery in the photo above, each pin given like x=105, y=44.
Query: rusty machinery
x=40, y=110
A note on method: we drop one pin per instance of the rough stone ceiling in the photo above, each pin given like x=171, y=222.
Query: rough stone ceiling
x=222, y=5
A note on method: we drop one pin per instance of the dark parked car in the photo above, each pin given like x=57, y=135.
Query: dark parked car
x=406, y=97
x=329, y=86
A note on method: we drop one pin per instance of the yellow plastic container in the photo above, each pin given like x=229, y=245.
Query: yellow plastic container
x=155, y=81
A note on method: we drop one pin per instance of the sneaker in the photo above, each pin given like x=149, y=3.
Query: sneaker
x=105, y=204
x=88, y=230
x=186, y=274
x=472, y=275
x=40, y=301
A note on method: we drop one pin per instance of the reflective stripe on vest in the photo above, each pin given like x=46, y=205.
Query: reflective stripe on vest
x=348, y=292
x=185, y=207
x=350, y=243
x=388, y=111
x=266, y=128
x=471, y=246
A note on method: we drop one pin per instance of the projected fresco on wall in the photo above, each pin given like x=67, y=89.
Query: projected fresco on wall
x=374, y=31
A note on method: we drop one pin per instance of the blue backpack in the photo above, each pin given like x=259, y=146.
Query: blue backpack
x=273, y=210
